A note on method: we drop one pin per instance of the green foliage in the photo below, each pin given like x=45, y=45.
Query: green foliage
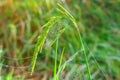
x=79, y=41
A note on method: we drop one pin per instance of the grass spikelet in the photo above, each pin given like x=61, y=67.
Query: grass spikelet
x=42, y=38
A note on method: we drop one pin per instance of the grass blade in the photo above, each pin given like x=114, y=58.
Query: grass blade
x=55, y=66
x=68, y=15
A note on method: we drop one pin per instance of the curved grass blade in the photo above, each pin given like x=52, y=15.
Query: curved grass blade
x=62, y=67
x=69, y=16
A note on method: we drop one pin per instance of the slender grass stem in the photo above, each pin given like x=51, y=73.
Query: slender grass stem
x=55, y=66
x=69, y=16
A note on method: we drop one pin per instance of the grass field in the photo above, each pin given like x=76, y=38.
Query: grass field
x=59, y=39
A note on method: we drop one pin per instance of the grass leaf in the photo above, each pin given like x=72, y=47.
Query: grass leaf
x=69, y=16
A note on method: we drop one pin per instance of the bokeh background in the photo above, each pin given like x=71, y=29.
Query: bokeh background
x=21, y=23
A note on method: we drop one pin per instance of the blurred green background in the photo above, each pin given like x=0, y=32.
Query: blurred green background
x=21, y=23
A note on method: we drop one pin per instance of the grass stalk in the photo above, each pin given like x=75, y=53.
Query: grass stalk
x=55, y=66
x=68, y=15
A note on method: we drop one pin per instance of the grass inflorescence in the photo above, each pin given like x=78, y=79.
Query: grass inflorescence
x=59, y=40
